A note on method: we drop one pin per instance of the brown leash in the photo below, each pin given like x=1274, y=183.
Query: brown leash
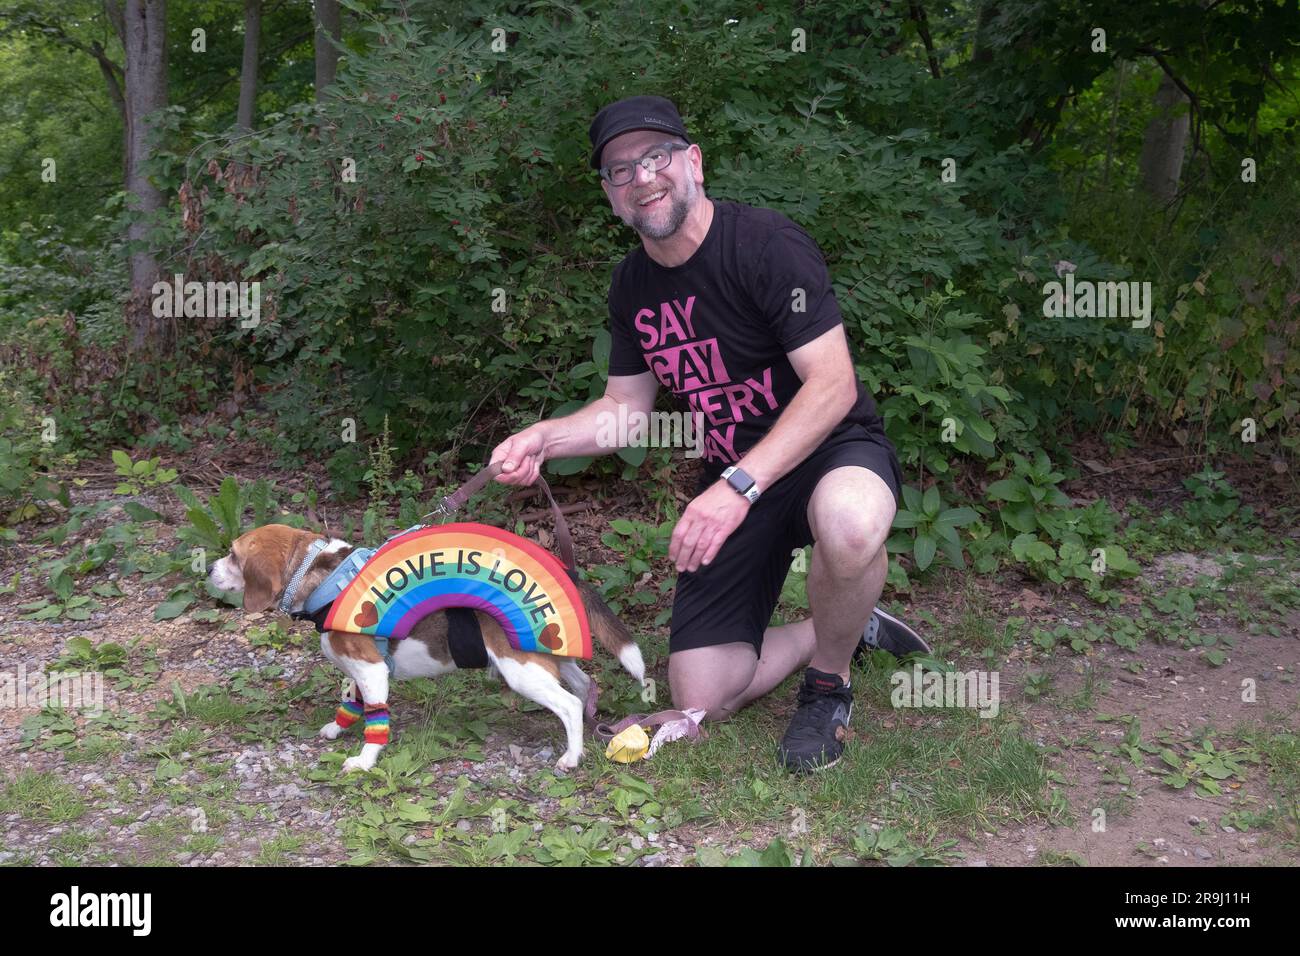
x=563, y=540
x=608, y=732
x=456, y=500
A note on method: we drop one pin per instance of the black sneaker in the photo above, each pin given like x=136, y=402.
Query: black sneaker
x=815, y=738
x=887, y=633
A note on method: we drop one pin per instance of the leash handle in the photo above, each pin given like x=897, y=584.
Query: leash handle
x=608, y=732
x=456, y=500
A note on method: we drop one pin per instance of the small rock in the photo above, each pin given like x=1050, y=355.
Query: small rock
x=1160, y=843
x=1243, y=844
x=516, y=753
x=463, y=826
x=1229, y=829
x=1193, y=820
x=546, y=753
x=1162, y=859
x=1203, y=854
x=977, y=862
x=637, y=842
x=184, y=857
x=288, y=791
x=655, y=859
x=5, y=856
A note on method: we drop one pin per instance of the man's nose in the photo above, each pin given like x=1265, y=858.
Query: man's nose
x=644, y=172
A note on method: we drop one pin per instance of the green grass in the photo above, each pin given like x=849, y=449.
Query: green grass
x=927, y=772
x=276, y=851
x=42, y=796
x=1280, y=754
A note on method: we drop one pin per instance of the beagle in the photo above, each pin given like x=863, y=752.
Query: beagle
x=266, y=564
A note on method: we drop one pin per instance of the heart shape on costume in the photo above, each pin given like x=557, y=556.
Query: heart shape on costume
x=368, y=616
x=550, y=637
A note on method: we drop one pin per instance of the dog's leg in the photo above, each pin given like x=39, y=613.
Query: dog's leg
x=350, y=710
x=578, y=681
x=537, y=684
x=372, y=686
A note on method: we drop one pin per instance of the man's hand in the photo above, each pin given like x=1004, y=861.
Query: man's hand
x=521, y=455
x=705, y=524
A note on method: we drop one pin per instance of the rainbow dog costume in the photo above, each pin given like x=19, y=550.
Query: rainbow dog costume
x=457, y=568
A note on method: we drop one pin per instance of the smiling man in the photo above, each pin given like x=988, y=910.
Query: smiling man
x=730, y=308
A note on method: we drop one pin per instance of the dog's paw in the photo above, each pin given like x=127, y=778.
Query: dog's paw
x=359, y=762
x=568, y=761
x=364, y=760
x=331, y=731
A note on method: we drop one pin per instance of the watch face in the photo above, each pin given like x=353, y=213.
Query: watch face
x=739, y=480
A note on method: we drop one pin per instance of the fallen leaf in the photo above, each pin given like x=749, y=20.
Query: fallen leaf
x=1030, y=601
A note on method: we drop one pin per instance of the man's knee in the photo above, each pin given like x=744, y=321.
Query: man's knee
x=714, y=707
x=850, y=514
x=850, y=556
x=711, y=679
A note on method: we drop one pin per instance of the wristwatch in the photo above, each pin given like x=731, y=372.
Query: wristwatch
x=742, y=483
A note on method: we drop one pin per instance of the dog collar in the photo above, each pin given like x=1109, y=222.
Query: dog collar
x=295, y=582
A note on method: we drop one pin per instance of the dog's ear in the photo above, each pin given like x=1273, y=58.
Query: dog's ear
x=263, y=564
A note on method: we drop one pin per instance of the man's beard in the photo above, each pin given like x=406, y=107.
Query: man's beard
x=677, y=213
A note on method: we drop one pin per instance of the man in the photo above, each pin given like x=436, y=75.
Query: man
x=731, y=308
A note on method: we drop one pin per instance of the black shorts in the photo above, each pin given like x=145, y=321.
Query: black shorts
x=732, y=598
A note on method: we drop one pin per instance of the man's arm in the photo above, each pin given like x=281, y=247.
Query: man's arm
x=829, y=389
x=522, y=454
x=828, y=393
x=575, y=435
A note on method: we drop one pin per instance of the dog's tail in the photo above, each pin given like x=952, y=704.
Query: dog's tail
x=606, y=628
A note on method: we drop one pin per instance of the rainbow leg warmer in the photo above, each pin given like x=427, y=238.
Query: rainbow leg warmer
x=349, y=713
x=377, y=724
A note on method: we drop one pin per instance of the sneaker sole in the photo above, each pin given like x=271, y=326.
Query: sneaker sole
x=925, y=648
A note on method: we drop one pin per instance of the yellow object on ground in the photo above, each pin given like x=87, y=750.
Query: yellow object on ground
x=629, y=745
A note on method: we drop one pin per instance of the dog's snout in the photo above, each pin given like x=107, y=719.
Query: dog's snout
x=225, y=576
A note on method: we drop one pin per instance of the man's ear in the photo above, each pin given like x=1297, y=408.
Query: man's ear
x=263, y=577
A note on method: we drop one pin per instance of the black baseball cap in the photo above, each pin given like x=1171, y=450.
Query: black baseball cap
x=634, y=112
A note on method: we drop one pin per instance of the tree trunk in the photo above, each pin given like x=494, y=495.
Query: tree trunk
x=1165, y=142
x=1120, y=68
x=983, y=53
x=917, y=14
x=328, y=24
x=146, y=91
x=248, y=73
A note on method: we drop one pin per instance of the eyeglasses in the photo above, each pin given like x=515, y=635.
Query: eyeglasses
x=620, y=174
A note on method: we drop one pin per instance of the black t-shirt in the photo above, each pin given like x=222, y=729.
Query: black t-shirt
x=715, y=330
